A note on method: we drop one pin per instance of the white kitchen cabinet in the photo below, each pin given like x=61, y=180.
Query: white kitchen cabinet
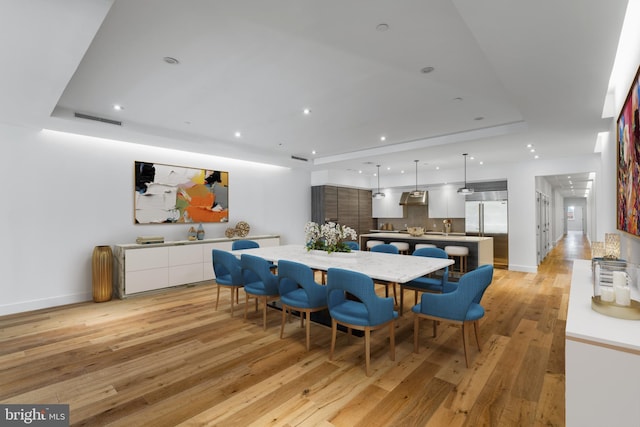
x=388, y=207
x=143, y=268
x=445, y=202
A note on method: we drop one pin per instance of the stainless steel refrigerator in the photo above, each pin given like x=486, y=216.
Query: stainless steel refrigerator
x=487, y=214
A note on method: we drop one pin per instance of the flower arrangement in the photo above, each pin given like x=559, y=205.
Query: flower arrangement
x=328, y=237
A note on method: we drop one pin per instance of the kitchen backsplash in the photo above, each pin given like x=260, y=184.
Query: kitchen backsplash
x=418, y=216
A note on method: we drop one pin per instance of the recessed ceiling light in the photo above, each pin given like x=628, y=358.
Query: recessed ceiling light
x=118, y=107
x=237, y=134
x=529, y=145
x=536, y=157
x=437, y=168
x=360, y=171
x=388, y=168
x=306, y=111
x=482, y=163
x=170, y=60
x=383, y=138
x=533, y=150
x=401, y=171
x=472, y=158
x=313, y=152
x=427, y=70
x=382, y=27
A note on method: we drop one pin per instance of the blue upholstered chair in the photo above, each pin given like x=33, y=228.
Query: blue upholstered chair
x=259, y=283
x=369, y=313
x=228, y=274
x=244, y=244
x=299, y=291
x=426, y=283
x=461, y=306
x=354, y=246
x=249, y=244
x=387, y=249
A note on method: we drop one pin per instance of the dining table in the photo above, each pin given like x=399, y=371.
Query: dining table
x=381, y=267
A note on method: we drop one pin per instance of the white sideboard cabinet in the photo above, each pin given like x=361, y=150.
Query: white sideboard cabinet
x=142, y=268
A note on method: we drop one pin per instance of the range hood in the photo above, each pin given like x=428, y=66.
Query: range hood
x=414, y=198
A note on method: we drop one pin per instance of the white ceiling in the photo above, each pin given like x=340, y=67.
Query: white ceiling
x=506, y=74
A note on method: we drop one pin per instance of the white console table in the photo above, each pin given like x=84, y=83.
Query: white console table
x=602, y=356
x=141, y=268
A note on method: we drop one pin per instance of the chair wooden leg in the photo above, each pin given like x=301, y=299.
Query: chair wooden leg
x=284, y=317
x=415, y=297
x=334, y=332
x=401, y=300
x=264, y=314
x=367, y=349
x=465, y=343
x=246, y=304
x=217, y=296
x=476, y=328
x=308, y=329
x=416, y=326
x=392, y=340
x=233, y=291
x=237, y=295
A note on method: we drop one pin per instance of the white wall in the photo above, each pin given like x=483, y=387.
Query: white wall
x=580, y=213
x=67, y=194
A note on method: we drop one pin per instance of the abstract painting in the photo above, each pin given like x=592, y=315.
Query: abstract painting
x=166, y=194
x=628, y=163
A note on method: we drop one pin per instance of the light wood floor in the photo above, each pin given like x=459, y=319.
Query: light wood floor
x=170, y=359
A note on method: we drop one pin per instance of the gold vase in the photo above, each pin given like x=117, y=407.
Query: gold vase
x=102, y=266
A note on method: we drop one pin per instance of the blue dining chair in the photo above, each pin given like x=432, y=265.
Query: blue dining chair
x=387, y=249
x=228, y=274
x=259, y=283
x=426, y=283
x=354, y=246
x=461, y=306
x=299, y=291
x=371, y=312
x=249, y=244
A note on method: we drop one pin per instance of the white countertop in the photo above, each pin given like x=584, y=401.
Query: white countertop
x=451, y=238
x=585, y=324
x=194, y=242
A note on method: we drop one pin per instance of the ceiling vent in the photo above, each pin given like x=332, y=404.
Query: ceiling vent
x=97, y=119
x=302, y=159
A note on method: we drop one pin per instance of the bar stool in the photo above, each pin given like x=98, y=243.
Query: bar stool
x=372, y=243
x=403, y=247
x=461, y=252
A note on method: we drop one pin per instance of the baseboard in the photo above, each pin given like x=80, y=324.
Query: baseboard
x=38, y=304
x=523, y=268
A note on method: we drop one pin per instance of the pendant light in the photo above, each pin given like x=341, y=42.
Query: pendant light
x=465, y=190
x=416, y=192
x=378, y=195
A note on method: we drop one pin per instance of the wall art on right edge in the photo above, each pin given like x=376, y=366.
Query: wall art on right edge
x=628, y=163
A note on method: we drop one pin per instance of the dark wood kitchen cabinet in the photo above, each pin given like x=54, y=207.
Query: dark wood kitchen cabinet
x=346, y=206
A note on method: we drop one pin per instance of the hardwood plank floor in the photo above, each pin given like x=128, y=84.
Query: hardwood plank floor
x=169, y=359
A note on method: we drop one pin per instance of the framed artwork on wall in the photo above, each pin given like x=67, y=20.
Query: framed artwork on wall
x=628, y=163
x=166, y=194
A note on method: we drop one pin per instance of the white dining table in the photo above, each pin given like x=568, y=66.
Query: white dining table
x=379, y=266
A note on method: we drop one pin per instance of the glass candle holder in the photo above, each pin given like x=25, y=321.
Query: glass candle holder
x=612, y=245
x=597, y=250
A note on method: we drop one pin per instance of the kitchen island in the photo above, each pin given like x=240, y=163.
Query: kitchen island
x=480, y=248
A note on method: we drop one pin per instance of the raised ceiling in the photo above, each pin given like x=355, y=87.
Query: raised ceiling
x=505, y=74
